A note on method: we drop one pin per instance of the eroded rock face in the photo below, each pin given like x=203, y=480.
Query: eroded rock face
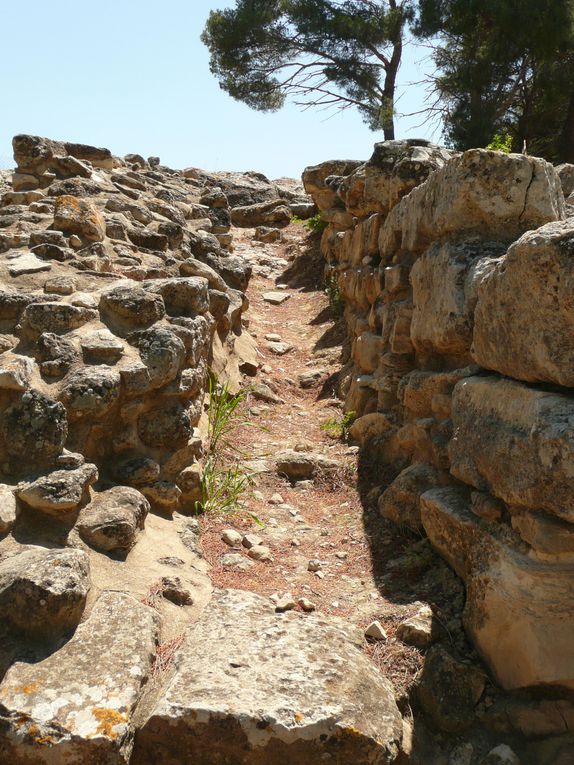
x=525, y=312
x=113, y=519
x=302, y=689
x=77, y=705
x=43, y=592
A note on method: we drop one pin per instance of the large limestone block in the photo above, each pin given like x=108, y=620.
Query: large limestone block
x=445, y=283
x=393, y=170
x=515, y=442
x=43, y=592
x=79, y=216
x=518, y=610
x=271, y=689
x=76, y=706
x=321, y=181
x=481, y=193
x=524, y=321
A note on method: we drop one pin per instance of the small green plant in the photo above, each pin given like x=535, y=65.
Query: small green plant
x=316, y=224
x=501, y=142
x=333, y=293
x=339, y=426
x=224, y=480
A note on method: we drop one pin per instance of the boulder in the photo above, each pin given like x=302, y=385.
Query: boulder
x=77, y=705
x=162, y=352
x=8, y=509
x=321, y=181
x=113, y=519
x=517, y=609
x=400, y=502
x=275, y=213
x=79, y=216
x=301, y=466
x=514, y=442
x=479, y=193
x=131, y=306
x=445, y=283
x=34, y=430
x=57, y=318
x=43, y=592
x=90, y=391
x=59, y=491
x=524, y=321
x=185, y=296
x=302, y=689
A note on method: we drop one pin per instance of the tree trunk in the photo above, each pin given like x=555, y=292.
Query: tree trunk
x=388, y=101
x=567, y=137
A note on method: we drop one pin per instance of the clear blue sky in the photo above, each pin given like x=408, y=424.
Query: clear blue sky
x=132, y=75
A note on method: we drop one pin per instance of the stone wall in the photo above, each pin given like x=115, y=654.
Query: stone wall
x=456, y=275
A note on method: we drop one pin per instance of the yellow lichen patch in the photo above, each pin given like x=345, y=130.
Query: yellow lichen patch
x=298, y=717
x=27, y=689
x=34, y=733
x=350, y=730
x=107, y=720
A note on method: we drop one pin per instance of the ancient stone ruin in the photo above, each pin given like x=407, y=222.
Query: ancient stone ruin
x=119, y=289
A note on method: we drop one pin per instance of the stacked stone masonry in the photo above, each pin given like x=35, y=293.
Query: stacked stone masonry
x=455, y=271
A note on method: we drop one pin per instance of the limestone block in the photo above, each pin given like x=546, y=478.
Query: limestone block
x=43, y=592
x=113, y=519
x=77, y=705
x=79, y=216
x=445, y=281
x=59, y=491
x=480, y=193
x=515, y=442
x=400, y=502
x=518, y=611
x=284, y=708
x=321, y=181
x=524, y=321
x=367, y=351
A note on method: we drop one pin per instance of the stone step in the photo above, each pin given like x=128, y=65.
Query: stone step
x=254, y=687
x=76, y=706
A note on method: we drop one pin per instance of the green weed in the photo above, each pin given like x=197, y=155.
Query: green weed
x=501, y=142
x=316, y=224
x=338, y=427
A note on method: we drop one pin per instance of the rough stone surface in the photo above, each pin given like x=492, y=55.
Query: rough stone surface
x=77, y=705
x=524, y=320
x=113, y=519
x=284, y=708
x=43, y=592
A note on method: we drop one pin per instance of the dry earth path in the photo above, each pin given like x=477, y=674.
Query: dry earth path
x=366, y=570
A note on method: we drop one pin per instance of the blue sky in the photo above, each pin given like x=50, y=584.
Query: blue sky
x=132, y=75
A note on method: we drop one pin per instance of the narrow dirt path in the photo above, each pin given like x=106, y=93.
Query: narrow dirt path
x=366, y=569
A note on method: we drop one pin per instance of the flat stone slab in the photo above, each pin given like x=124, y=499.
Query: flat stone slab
x=276, y=298
x=254, y=687
x=75, y=707
x=27, y=264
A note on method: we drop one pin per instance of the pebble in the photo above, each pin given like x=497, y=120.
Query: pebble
x=320, y=574
x=236, y=561
x=285, y=603
x=342, y=555
x=275, y=298
x=258, y=495
x=276, y=499
x=375, y=631
x=314, y=565
x=251, y=540
x=306, y=605
x=232, y=538
x=273, y=337
x=260, y=552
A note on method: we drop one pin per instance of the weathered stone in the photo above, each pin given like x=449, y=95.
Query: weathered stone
x=79, y=216
x=78, y=704
x=501, y=755
x=515, y=442
x=34, y=430
x=8, y=508
x=113, y=519
x=493, y=195
x=91, y=391
x=101, y=347
x=513, y=603
x=293, y=712
x=418, y=630
x=274, y=213
x=162, y=352
x=299, y=466
x=55, y=317
x=60, y=491
x=132, y=306
x=165, y=426
x=186, y=296
x=27, y=263
x=194, y=267
x=43, y=592
x=524, y=320
x=138, y=471
x=400, y=502
x=449, y=691
x=15, y=372
x=276, y=298
x=445, y=283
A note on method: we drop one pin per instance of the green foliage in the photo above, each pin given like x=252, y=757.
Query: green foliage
x=316, y=224
x=501, y=142
x=224, y=481
x=322, y=53
x=333, y=293
x=339, y=426
x=504, y=67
